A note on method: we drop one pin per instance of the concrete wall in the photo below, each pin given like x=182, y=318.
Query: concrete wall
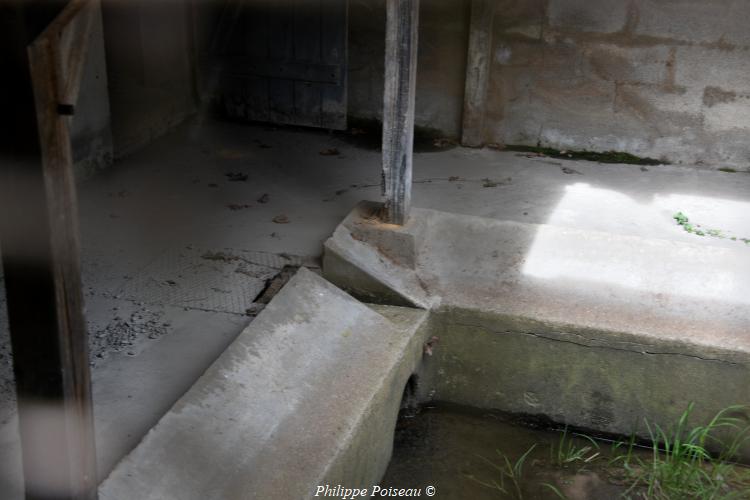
x=91, y=136
x=151, y=78
x=660, y=78
x=665, y=79
x=443, y=39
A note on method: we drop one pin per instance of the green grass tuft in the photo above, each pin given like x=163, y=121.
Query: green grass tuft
x=681, y=465
x=511, y=474
x=683, y=462
x=568, y=452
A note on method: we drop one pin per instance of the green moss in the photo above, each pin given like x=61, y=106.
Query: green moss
x=604, y=157
x=684, y=221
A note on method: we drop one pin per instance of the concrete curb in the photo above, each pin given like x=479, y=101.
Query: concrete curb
x=307, y=395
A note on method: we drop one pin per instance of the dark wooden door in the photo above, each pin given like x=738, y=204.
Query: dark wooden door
x=284, y=61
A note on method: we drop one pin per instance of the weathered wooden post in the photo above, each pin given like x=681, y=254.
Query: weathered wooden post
x=398, y=108
x=43, y=44
x=477, y=72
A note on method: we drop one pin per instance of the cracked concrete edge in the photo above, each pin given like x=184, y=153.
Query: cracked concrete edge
x=597, y=338
x=495, y=364
x=361, y=271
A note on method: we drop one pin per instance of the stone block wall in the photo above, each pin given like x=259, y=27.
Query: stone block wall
x=666, y=79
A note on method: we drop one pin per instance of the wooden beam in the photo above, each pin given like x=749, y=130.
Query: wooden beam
x=45, y=42
x=398, y=108
x=477, y=72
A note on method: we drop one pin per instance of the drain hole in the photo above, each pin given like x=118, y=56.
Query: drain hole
x=409, y=400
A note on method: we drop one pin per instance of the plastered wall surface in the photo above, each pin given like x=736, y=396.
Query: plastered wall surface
x=150, y=69
x=90, y=132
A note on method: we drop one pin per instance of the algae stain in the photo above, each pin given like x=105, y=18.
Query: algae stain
x=601, y=157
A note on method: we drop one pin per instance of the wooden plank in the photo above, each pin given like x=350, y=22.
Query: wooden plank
x=333, y=31
x=245, y=97
x=281, y=100
x=38, y=228
x=228, y=17
x=281, y=39
x=257, y=32
x=334, y=51
x=255, y=91
x=307, y=19
x=307, y=103
x=288, y=69
x=333, y=106
x=402, y=21
x=477, y=72
x=299, y=49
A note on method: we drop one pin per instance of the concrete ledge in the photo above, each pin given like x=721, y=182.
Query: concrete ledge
x=591, y=329
x=308, y=394
x=367, y=258
x=529, y=367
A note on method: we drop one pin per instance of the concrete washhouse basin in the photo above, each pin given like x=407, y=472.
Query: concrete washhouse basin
x=585, y=328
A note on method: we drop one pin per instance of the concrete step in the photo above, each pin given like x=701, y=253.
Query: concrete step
x=589, y=328
x=695, y=295
x=307, y=395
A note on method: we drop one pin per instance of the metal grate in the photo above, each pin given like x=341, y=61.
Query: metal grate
x=227, y=280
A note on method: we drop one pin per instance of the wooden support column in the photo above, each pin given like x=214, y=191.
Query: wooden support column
x=43, y=44
x=398, y=109
x=477, y=72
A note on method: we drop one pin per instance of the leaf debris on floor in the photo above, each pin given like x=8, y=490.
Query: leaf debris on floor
x=236, y=176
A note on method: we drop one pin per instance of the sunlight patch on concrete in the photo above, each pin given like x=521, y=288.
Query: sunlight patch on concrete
x=657, y=266
x=728, y=216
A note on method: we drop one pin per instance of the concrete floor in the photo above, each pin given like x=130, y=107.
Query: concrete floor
x=151, y=219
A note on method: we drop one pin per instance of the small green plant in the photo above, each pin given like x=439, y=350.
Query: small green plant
x=555, y=490
x=682, y=220
x=568, y=452
x=681, y=465
x=623, y=458
x=511, y=474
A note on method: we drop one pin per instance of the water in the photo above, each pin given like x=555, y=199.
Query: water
x=448, y=447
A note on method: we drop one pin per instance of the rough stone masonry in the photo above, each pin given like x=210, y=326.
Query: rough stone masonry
x=666, y=79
